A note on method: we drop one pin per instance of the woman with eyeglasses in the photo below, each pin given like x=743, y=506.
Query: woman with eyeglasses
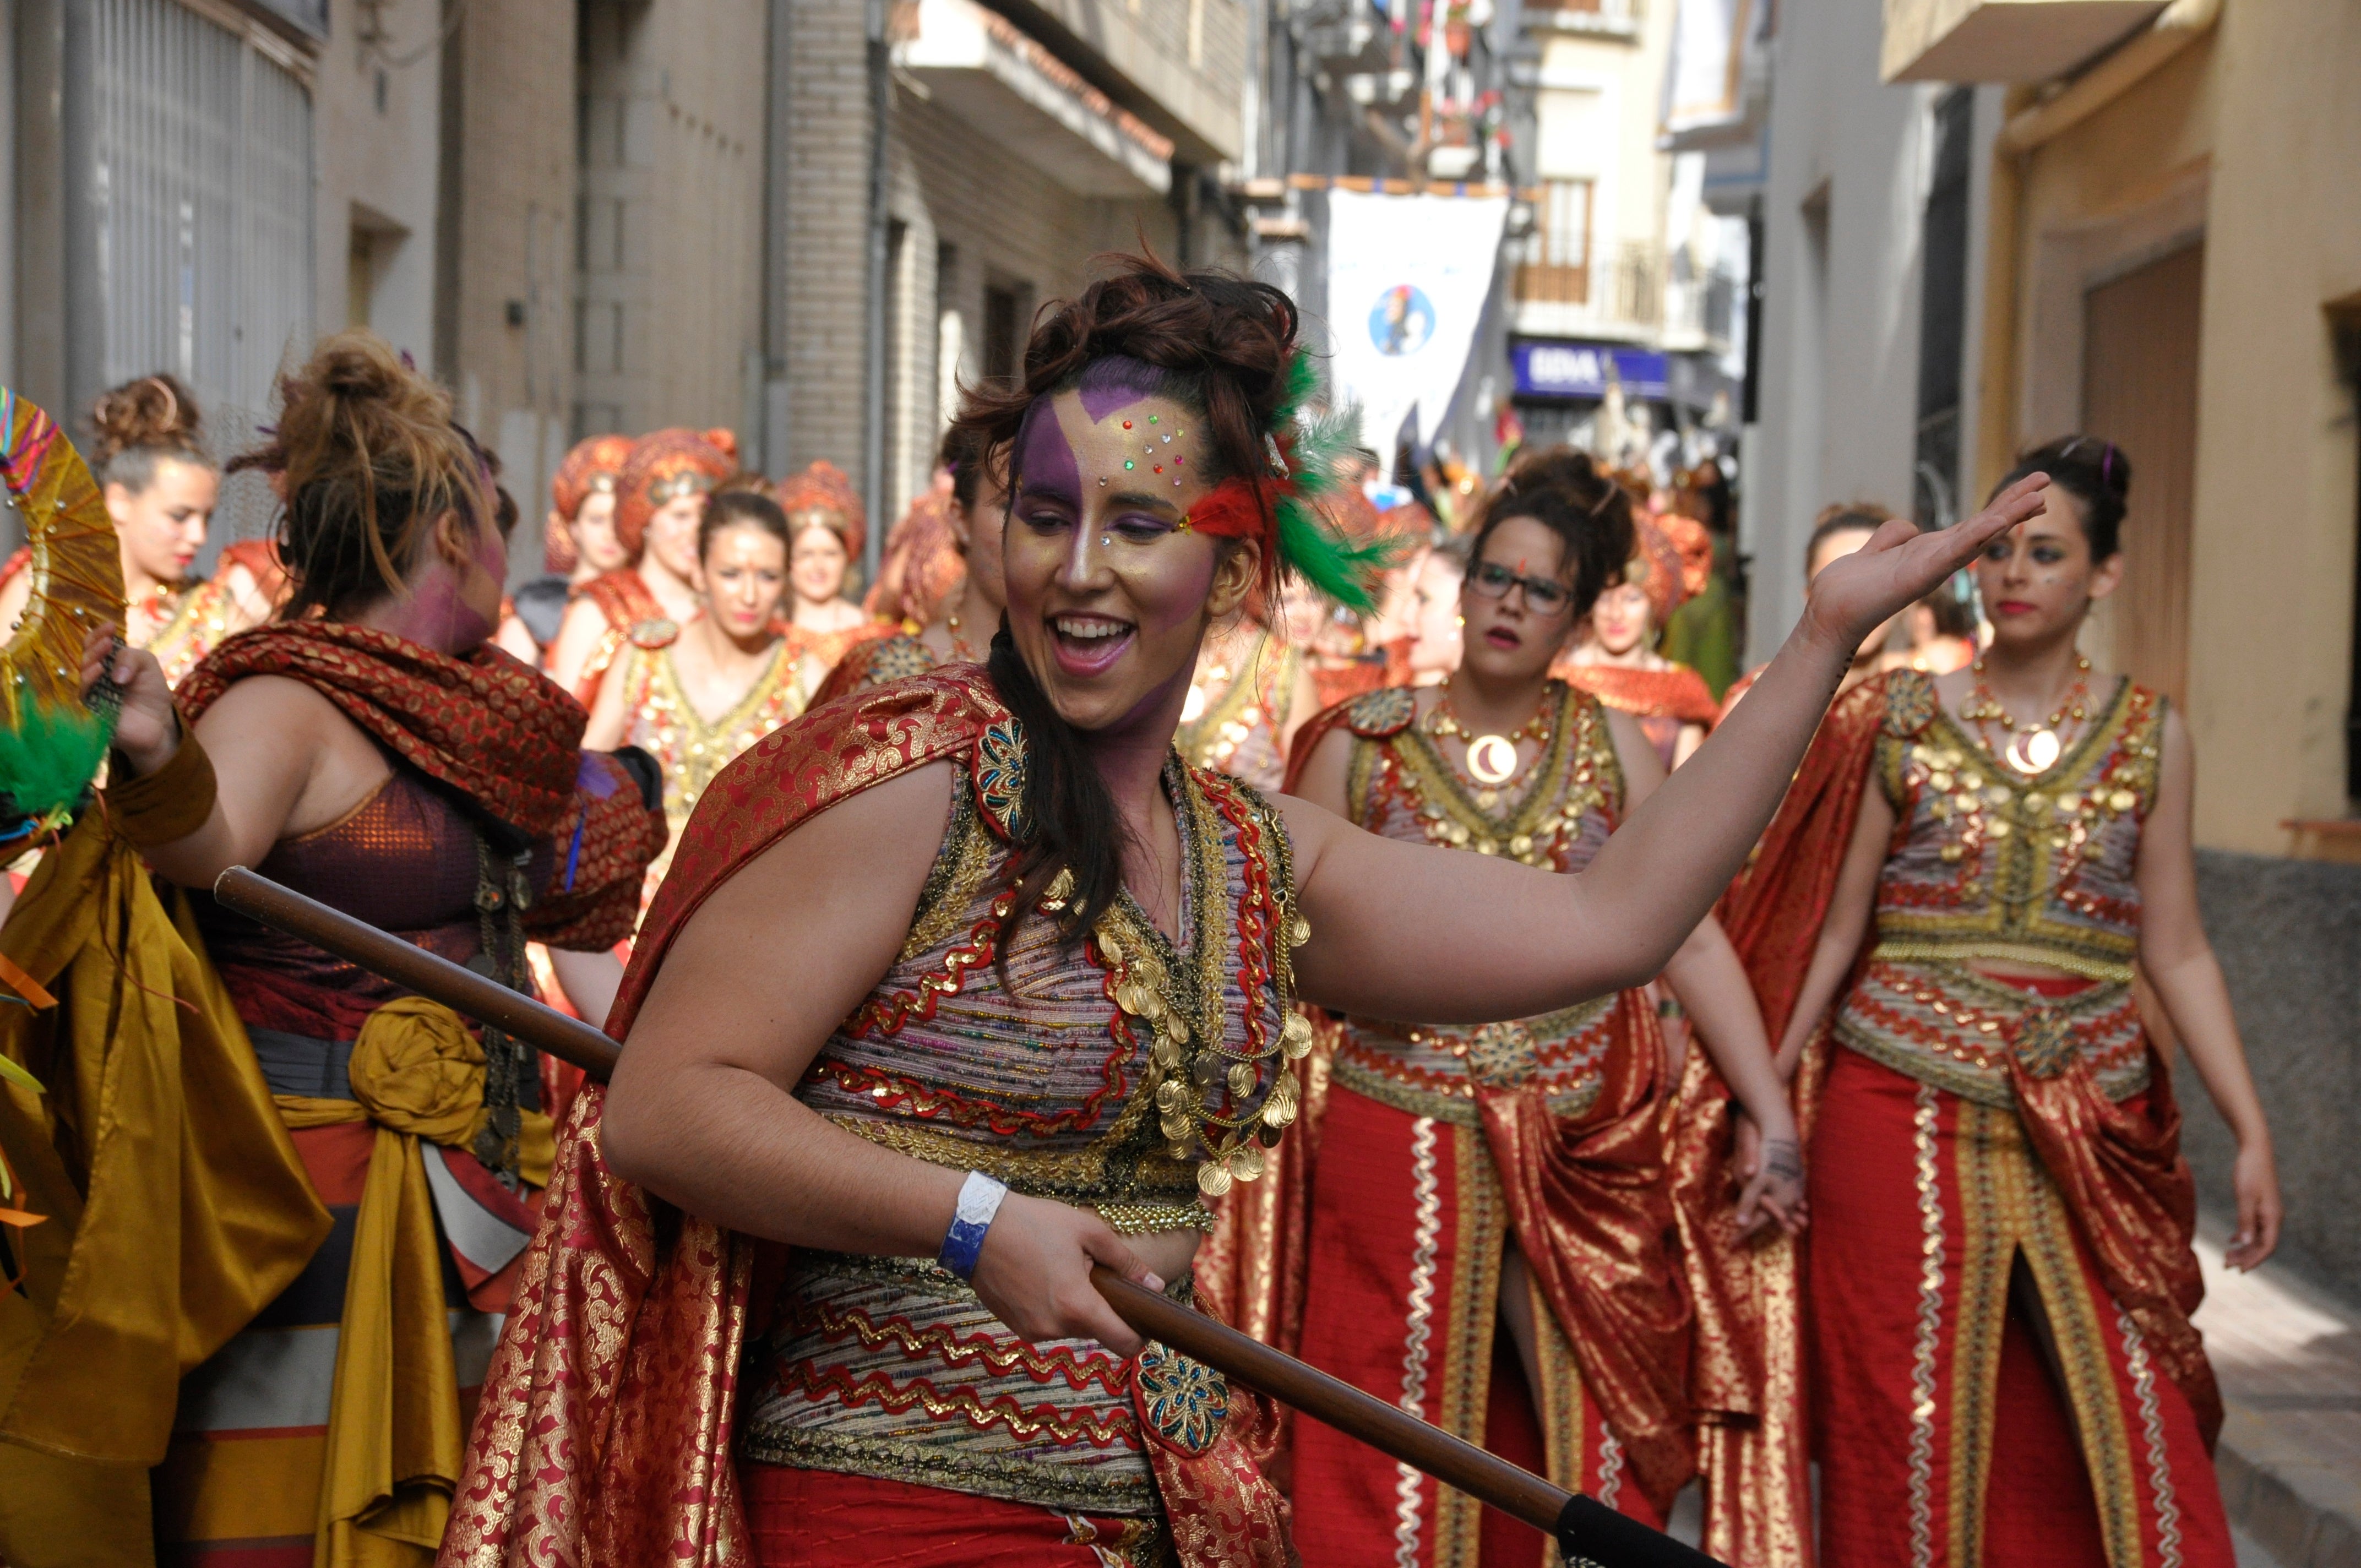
x=1505, y=1188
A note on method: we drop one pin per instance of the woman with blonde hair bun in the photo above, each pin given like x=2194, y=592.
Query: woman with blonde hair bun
x=372, y=750
x=160, y=486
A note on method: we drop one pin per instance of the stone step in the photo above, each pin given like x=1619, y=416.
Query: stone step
x=2289, y=1356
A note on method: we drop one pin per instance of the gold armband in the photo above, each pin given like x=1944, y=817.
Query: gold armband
x=170, y=802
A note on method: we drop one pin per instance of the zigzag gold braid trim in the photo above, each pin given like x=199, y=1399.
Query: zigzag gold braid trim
x=937, y=1342
x=1907, y=949
x=876, y=1388
x=1151, y=1218
x=1048, y=1485
x=1426, y=1191
x=1925, y=1123
x=2159, y=1459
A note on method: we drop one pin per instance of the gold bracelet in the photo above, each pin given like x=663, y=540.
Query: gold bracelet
x=1149, y=1218
x=170, y=802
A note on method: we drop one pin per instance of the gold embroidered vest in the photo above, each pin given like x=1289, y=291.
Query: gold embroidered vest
x=1399, y=785
x=1989, y=863
x=1131, y=1074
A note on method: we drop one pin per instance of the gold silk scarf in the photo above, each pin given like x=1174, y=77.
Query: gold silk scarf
x=395, y=1446
x=175, y=1204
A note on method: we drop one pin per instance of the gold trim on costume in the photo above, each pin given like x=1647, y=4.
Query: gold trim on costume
x=1923, y=1350
x=1427, y=1216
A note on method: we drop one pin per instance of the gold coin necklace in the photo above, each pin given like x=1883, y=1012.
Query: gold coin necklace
x=1491, y=759
x=2036, y=748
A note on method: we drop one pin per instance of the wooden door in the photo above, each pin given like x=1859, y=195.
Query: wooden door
x=2139, y=390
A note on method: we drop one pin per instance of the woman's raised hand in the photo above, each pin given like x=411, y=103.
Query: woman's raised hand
x=148, y=731
x=1035, y=1273
x=1900, y=565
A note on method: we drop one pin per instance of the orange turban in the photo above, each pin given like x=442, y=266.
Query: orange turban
x=1674, y=560
x=593, y=465
x=824, y=487
x=668, y=464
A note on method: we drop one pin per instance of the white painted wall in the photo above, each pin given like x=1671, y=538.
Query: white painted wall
x=1849, y=163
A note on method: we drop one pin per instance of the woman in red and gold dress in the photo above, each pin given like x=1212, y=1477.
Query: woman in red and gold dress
x=1618, y=661
x=160, y=485
x=1943, y=924
x=726, y=682
x=960, y=622
x=659, y=502
x=965, y=983
x=373, y=750
x=827, y=524
x=1491, y=1220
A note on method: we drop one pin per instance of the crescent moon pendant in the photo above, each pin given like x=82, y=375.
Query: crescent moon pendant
x=1492, y=759
x=2033, y=752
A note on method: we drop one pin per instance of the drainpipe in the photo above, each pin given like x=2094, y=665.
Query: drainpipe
x=872, y=420
x=2180, y=23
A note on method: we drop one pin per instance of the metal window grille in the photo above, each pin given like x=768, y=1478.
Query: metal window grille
x=200, y=195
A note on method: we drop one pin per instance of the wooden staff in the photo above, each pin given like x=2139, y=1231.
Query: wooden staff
x=1587, y=1531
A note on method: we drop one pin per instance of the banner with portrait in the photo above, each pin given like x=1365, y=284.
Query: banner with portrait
x=1407, y=278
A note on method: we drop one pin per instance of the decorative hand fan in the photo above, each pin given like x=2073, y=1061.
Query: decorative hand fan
x=51, y=741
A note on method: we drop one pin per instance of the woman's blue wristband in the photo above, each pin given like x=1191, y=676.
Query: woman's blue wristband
x=979, y=1203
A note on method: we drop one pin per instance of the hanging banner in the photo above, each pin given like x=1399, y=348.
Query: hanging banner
x=1408, y=277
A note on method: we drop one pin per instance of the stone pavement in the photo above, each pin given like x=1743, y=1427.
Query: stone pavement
x=2289, y=1356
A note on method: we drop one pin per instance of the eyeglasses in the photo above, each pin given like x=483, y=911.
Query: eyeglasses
x=1542, y=595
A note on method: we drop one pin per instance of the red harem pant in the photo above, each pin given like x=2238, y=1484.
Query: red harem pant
x=1401, y=1299
x=816, y=1518
x=1921, y=1201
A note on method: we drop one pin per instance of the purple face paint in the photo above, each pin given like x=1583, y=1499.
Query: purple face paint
x=1117, y=381
x=1045, y=458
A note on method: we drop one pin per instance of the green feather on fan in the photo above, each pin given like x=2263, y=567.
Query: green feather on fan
x=52, y=741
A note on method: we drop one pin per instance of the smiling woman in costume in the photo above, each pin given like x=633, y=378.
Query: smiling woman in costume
x=962, y=985
x=1956, y=892
x=160, y=485
x=1506, y=1187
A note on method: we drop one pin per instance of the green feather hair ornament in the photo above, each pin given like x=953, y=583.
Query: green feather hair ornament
x=51, y=740
x=1284, y=510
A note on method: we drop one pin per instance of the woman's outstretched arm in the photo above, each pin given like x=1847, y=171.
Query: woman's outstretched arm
x=1409, y=932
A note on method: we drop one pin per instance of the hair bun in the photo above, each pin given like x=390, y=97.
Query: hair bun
x=153, y=413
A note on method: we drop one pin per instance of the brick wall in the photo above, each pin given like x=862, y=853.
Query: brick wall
x=669, y=280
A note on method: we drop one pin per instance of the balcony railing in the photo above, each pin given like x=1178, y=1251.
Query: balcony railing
x=1619, y=293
